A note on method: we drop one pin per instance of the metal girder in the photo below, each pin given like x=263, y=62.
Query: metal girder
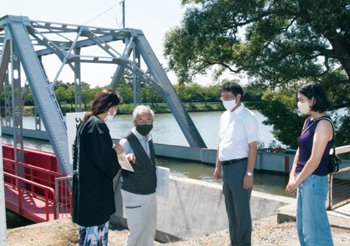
x=47, y=104
x=7, y=102
x=62, y=55
x=17, y=105
x=80, y=44
x=77, y=82
x=30, y=48
x=5, y=58
x=129, y=46
x=103, y=45
x=136, y=80
x=169, y=94
x=25, y=93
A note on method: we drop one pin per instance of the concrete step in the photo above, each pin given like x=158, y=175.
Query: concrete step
x=339, y=217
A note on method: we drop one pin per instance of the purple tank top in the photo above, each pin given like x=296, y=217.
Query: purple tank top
x=305, y=142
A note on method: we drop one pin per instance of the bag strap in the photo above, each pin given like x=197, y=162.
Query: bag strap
x=330, y=121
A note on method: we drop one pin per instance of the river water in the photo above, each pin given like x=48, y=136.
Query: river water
x=167, y=131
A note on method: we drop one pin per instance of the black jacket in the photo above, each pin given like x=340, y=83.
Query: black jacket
x=95, y=164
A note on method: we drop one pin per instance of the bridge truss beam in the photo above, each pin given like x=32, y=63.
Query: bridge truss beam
x=32, y=39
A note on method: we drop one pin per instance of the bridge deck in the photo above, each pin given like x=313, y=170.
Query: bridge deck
x=33, y=207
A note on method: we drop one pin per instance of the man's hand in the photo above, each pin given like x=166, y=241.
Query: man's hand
x=119, y=149
x=247, y=182
x=131, y=157
x=217, y=173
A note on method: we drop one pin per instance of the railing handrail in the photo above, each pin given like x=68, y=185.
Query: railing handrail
x=46, y=188
x=341, y=149
x=33, y=167
x=57, y=198
x=31, y=182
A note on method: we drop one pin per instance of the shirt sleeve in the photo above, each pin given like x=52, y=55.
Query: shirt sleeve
x=126, y=146
x=252, y=129
x=102, y=152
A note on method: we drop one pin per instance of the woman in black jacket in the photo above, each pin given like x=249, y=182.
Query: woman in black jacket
x=95, y=164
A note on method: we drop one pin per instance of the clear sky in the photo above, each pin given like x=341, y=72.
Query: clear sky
x=153, y=17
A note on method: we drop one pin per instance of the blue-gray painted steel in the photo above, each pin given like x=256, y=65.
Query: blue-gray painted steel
x=68, y=51
x=47, y=104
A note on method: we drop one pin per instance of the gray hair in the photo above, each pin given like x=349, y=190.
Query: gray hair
x=141, y=108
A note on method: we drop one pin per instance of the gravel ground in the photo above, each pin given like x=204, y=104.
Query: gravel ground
x=266, y=232
x=65, y=233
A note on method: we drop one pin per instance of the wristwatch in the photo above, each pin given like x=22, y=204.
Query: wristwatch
x=249, y=174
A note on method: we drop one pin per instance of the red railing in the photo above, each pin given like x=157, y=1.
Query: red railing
x=35, y=174
x=21, y=190
x=64, y=195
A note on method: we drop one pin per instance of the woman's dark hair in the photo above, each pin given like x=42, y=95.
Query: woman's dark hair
x=233, y=87
x=313, y=89
x=102, y=102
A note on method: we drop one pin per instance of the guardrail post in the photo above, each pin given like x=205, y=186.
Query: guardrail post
x=330, y=191
x=286, y=164
x=57, y=200
x=47, y=205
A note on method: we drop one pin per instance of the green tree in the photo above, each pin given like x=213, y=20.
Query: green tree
x=283, y=42
x=210, y=93
x=86, y=95
x=60, y=94
x=70, y=95
x=148, y=95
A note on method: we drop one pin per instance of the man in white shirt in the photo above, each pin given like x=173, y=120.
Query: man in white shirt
x=235, y=161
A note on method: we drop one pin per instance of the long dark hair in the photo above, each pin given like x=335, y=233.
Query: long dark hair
x=102, y=103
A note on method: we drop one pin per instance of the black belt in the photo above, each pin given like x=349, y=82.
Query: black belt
x=226, y=163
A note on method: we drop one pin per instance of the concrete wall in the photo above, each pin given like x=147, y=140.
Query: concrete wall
x=196, y=208
x=187, y=153
x=274, y=162
x=265, y=161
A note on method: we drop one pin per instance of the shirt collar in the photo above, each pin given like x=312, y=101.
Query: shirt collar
x=238, y=110
x=139, y=136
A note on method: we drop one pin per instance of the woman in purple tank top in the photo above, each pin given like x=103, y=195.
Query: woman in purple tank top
x=308, y=177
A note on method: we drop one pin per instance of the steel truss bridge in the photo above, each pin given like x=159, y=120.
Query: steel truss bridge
x=23, y=43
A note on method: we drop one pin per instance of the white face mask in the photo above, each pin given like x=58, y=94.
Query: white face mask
x=109, y=117
x=304, y=108
x=229, y=105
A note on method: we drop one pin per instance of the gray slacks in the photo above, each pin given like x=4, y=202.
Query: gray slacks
x=237, y=203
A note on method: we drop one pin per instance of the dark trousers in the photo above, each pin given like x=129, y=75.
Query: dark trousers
x=237, y=203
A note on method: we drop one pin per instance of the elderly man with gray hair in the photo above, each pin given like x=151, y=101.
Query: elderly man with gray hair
x=139, y=187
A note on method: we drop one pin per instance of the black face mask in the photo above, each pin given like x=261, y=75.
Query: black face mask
x=144, y=129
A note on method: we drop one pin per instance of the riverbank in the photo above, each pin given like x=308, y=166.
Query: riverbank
x=64, y=232
x=158, y=108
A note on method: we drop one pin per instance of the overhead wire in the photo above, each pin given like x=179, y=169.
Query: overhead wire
x=103, y=14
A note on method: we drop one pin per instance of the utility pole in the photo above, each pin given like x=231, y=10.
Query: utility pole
x=123, y=6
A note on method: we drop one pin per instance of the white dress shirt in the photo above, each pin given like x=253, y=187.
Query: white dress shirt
x=237, y=130
x=145, y=143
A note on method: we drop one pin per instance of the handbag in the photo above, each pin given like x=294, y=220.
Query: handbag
x=333, y=160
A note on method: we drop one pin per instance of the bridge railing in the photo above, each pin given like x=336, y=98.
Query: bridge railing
x=63, y=197
x=35, y=174
x=339, y=183
x=21, y=191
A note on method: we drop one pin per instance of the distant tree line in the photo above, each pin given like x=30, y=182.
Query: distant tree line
x=189, y=93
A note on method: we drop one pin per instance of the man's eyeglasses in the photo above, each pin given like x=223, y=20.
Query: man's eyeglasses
x=227, y=98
